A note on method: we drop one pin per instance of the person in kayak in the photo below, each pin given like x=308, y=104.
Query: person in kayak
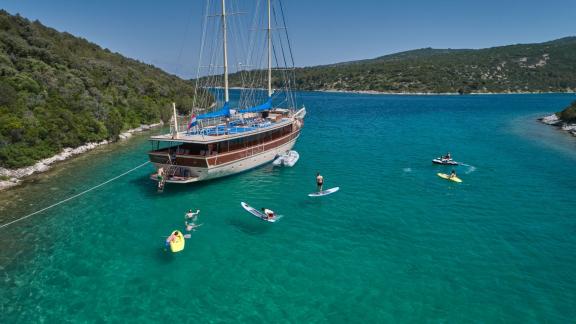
x=319, y=181
x=269, y=213
x=172, y=238
x=453, y=174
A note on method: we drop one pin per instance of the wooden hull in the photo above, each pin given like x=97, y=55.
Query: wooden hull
x=196, y=168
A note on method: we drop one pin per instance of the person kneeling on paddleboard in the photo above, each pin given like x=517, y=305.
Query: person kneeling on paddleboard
x=453, y=174
x=319, y=181
x=269, y=213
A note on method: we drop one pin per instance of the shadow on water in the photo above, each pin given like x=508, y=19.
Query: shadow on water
x=149, y=187
x=311, y=201
x=256, y=228
x=164, y=255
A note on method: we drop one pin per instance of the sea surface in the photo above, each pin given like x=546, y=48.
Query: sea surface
x=395, y=244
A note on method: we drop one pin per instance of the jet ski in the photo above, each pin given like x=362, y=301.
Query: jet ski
x=444, y=161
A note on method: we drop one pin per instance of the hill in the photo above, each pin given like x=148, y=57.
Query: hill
x=57, y=91
x=542, y=67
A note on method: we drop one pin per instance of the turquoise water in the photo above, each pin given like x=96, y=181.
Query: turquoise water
x=395, y=244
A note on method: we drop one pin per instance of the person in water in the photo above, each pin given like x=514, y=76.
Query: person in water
x=160, y=178
x=190, y=226
x=319, y=181
x=192, y=215
x=269, y=213
x=453, y=174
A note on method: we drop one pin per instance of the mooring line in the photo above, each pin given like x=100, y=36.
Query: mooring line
x=76, y=195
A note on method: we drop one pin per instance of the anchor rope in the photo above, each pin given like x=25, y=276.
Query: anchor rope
x=75, y=196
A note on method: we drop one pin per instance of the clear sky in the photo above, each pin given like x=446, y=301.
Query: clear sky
x=166, y=33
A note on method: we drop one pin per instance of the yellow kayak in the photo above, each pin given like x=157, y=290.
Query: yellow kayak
x=447, y=177
x=177, y=244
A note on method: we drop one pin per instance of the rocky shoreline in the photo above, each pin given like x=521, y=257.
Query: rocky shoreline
x=553, y=120
x=13, y=177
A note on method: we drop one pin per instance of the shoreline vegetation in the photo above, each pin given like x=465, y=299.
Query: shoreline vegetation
x=60, y=91
x=13, y=177
x=565, y=119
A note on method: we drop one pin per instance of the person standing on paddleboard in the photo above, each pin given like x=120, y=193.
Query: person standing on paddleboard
x=319, y=181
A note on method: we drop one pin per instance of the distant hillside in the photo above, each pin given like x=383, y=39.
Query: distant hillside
x=549, y=66
x=543, y=67
x=57, y=90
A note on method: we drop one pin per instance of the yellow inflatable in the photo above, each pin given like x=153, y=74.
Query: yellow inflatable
x=447, y=177
x=177, y=243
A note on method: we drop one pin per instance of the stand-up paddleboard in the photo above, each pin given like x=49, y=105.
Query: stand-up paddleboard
x=324, y=192
x=177, y=244
x=447, y=177
x=259, y=214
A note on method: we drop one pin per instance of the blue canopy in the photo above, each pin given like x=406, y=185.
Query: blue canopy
x=265, y=106
x=222, y=112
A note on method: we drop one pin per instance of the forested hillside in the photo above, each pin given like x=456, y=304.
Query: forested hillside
x=57, y=90
x=543, y=67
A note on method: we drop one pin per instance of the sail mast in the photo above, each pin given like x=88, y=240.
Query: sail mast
x=269, y=54
x=226, y=98
x=175, y=115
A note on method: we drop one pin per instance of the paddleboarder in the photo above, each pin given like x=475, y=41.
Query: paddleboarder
x=319, y=181
x=269, y=213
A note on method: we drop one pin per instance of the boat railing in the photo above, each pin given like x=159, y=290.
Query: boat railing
x=235, y=127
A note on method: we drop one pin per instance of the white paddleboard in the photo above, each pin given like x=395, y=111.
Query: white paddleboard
x=258, y=214
x=324, y=192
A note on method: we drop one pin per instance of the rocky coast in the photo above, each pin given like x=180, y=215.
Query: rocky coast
x=12, y=177
x=554, y=120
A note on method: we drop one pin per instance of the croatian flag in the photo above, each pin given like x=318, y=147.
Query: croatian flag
x=192, y=121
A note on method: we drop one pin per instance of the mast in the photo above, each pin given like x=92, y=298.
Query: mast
x=269, y=54
x=225, y=51
x=175, y=135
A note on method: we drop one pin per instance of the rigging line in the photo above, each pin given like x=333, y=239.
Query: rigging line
x=297, y=95
x=286, y=32
x=75, y=196
x=186, y=30
x=201, y=50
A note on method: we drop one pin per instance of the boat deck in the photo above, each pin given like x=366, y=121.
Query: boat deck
x=220, y=132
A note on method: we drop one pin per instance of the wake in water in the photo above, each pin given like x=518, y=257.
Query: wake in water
x=471, y=168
